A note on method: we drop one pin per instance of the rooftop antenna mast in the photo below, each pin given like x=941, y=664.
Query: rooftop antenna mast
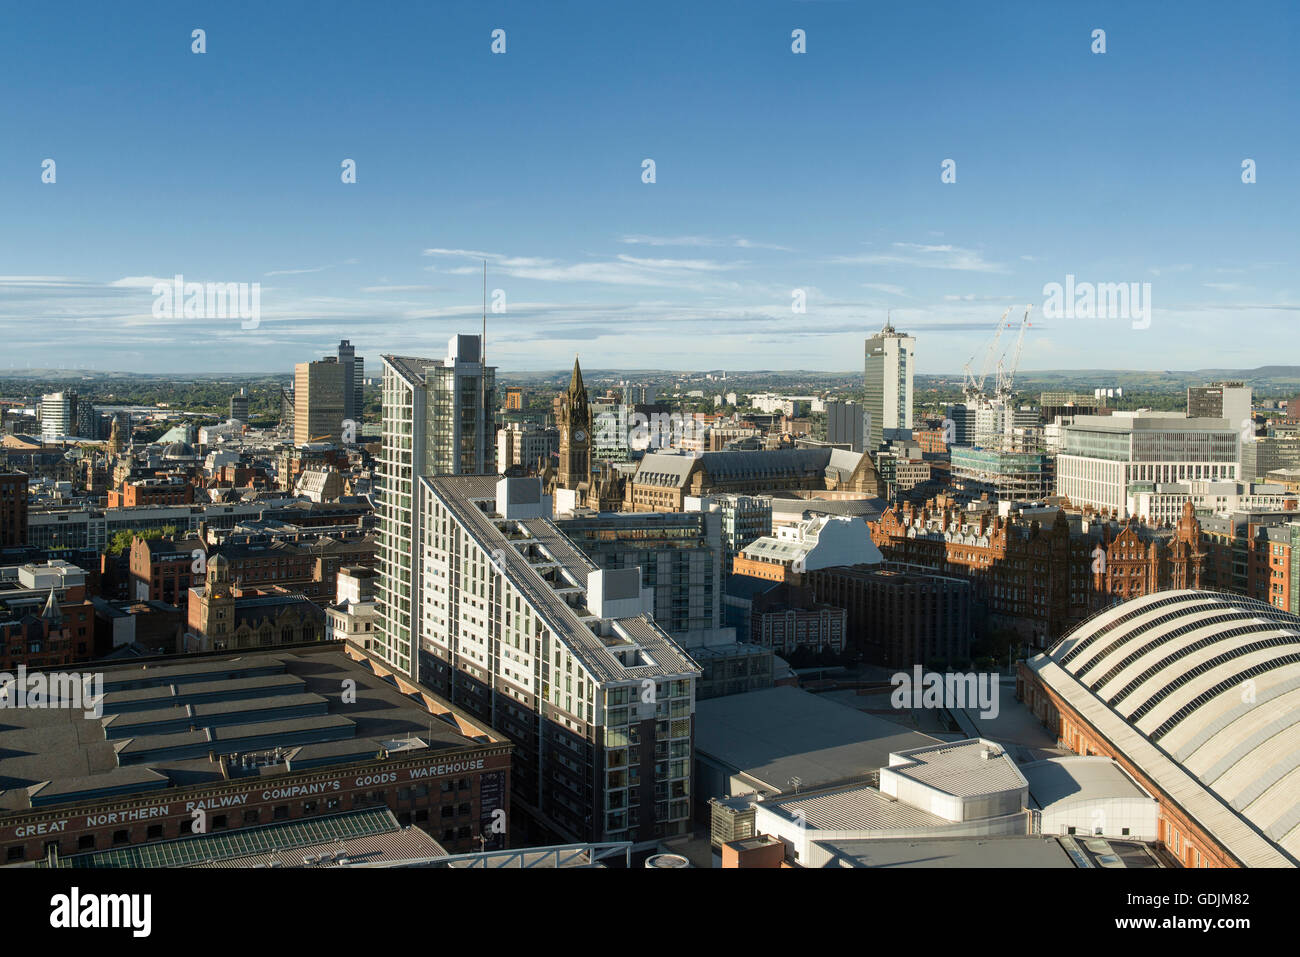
x=482, y=380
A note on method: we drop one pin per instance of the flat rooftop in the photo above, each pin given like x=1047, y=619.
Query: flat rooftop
x=967, y=768
x=777, y=734
x=1027, y=851
x=1078, y=778
x=280, y=712
x=854, y=809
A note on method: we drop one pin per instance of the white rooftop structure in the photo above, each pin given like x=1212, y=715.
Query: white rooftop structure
x=1090, y=795
x=961, y=781
x=824, y=541
x=962, y=789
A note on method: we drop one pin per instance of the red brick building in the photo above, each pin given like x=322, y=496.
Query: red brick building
x=1043, y=571
x=785, y=618
x=46, y=628
x=13, y=509
x=163, y=569
x=151, y=492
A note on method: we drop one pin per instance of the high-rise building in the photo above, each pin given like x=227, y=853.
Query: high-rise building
x=613, y=427
x=318, y=391
x=890, y=360
x=437, y=420
x=239, y=406
x=13, y=509
x=680, y=557
x=1108, y=456
x=745, y=519
x=1220, y=400
x=87, y=420
x=353, y=381
x=287, y=411
x=526, y=446
x=848, y=422
x=514, y=399
x=520, y=630
x=58, y=414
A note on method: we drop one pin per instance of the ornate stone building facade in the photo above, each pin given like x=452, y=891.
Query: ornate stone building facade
x=663, y=481
x=222, y=619
x=1041, y=575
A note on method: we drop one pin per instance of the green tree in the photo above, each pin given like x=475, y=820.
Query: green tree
x=121, y=541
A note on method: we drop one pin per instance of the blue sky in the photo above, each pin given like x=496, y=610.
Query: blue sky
x=774, y=172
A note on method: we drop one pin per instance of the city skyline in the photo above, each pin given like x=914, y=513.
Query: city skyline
x=228, y=167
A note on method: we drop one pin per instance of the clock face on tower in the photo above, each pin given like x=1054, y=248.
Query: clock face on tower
x=580, y=436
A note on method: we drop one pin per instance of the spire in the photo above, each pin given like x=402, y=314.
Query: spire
x=52, y=609
x=575, y=383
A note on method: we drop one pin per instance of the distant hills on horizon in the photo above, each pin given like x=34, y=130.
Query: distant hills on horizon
x=1272, y=376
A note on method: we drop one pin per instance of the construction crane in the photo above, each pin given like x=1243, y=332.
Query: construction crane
x=974, y=385
x=1007, y=373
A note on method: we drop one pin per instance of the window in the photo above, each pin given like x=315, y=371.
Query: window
x=154, y=832
x=281, y=812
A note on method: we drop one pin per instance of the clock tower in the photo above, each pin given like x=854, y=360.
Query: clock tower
x=573, y=416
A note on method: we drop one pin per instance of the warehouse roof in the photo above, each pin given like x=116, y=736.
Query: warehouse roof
x=200, y=707
x=776, y=734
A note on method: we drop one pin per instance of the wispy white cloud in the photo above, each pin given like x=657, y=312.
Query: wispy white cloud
x=621, y=270
x=925, y=256
x=739, y=242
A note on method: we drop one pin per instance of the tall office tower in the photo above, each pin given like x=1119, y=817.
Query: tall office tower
x=573, y=416
x=959, y=429
x=318, y=389
x=437, y=420
x=239, y=406
x=287, y=410
x=354, y=378
x=58, y=414
x=1220, y=400
x=13, y=509
x=1231, y=401
x=87, y=420
x=890, y=357
x=745, y=519
x=612, y=428
x=520, y=629
x=848, y=422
